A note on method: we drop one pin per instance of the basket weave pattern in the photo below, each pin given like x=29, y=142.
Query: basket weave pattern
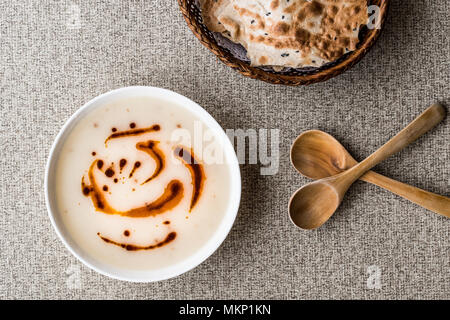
x=295, y=77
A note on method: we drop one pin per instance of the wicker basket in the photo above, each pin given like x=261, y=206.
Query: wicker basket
x=292, y=77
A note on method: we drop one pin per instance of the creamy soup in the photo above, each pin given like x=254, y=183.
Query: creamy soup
x=134, y=188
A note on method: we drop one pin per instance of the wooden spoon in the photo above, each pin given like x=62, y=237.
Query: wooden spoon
x=317, y=155
x=313, y=204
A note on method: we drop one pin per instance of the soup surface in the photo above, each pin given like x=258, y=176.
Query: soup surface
x=142, y=183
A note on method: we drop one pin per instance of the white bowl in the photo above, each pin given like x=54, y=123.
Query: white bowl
x=152, y=275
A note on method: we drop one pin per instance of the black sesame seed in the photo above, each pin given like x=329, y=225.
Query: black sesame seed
x=282, y=17
x=252, y=22
x=268, y=13
x=265, y=33
x=285, y=55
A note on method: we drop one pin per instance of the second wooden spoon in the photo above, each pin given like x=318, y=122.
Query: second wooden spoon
x=316, y=155
x=313, y=204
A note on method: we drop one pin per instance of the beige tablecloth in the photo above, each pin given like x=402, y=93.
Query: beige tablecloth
x=56, y=55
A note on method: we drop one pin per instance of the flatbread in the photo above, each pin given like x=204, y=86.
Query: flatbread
x=288, y=33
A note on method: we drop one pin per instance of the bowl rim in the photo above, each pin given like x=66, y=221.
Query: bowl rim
x=276, y=78
x=189, y=263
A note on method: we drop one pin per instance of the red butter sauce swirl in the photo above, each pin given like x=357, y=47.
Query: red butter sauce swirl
x=132, y=132
x=132, y=247
x=196, y=170
x=150, y=147
x=172, y=195
x=170, y=198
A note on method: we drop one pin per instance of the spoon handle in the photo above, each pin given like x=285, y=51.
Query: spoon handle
x=426, y=121
x=431, y=201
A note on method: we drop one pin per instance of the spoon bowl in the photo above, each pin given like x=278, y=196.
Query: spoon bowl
x=316, y=155
x=313, y=204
